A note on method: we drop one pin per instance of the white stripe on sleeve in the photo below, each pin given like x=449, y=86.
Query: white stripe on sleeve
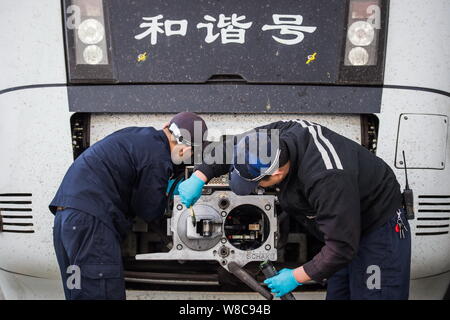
x=330, y=146
x=320, y=147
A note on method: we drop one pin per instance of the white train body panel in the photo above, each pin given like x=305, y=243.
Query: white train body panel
x=417, y=28
x=35, y=135
x=32, y=43
x=430, y=254
x=417, y=53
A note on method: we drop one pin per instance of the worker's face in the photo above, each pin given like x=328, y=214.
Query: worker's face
x=276, y=177
x=180, y=153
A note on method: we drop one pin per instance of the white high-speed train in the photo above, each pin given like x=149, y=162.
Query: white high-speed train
x=74, y=71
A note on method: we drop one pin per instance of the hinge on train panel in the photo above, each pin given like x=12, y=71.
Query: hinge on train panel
x=80, y=125
x=369, y=132
x=1, y=221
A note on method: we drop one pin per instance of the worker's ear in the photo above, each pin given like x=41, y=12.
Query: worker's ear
x=277, y=172
x=184, y=152
x=277, y=176
x=181, y=154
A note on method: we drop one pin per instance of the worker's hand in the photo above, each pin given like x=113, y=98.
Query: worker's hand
x=283, y=283
x=175, y=191
x=191, y=190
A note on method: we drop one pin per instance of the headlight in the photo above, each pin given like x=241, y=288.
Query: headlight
x=361, y=33
x=358, y=56
x=91, y=31
x=88, y=41
x=362, y=44
x=93, y=54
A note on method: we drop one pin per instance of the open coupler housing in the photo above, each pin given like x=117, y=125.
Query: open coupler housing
x=226, y=228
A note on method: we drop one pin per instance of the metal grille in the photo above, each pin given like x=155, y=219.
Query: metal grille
x=16, y=213
x=433, y=215
x=221, y=181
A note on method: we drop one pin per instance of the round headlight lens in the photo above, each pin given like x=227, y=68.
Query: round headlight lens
x=93, y=54
x=361, y=33
x=358, y=56
x=91, y=31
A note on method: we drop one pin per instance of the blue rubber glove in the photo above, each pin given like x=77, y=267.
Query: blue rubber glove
x=284, y=282
x=190, y=190
x=175, y=192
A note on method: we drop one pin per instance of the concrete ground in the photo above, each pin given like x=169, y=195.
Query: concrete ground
x=171, y=295
x=159, y=295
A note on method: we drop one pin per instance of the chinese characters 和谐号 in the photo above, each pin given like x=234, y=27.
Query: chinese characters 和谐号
x=232, y=28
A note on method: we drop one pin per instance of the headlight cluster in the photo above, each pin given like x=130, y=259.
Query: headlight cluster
x=362, y=33
x=89, y=33
x=88, y=40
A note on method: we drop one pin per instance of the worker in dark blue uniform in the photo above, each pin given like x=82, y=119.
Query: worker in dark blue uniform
x=350, y=196
x=118, y=178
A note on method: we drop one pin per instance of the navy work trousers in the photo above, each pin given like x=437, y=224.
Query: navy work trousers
x=381, y=268
x=89, y=257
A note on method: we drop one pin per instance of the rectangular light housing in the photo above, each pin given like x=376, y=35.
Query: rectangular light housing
x=364, y=45
x=364, y=23
x=87, y=41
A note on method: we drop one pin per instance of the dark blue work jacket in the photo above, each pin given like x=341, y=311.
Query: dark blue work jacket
x=338, y=185
x=122, y=176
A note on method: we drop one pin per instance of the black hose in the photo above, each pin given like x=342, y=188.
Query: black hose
x=248, y=280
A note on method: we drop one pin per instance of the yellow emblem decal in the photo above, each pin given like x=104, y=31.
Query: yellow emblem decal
x=142, y=57
x=311, y=57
